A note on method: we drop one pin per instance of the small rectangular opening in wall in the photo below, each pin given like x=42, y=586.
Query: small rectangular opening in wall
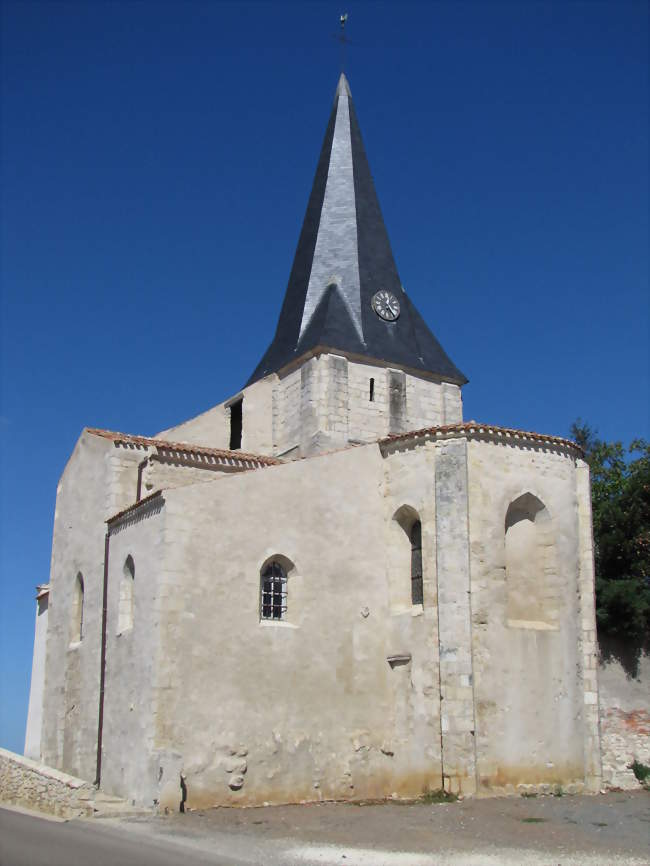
x=236, y=425
x=371, y=395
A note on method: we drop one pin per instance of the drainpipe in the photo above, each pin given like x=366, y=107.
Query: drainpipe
x=141, y=467
x=102, y=666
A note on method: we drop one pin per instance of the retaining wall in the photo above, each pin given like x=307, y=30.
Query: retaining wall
x=624, y=686
x=24, y=782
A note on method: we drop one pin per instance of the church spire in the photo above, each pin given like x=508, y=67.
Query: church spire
x=344, y=292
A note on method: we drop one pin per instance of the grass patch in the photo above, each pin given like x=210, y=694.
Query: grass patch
x=438, y=796
x=534, y=820
x=641, y=771
x=529, y=795
x=599, y=823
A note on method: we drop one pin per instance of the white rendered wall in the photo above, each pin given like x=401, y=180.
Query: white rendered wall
x=135, y=673
x=212, y=428
x=35, y=710
x=308, y=708
x=71, y=695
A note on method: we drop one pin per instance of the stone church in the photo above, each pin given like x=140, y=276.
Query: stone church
x=329, y=586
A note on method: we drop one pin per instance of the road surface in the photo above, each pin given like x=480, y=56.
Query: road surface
x=608, y=830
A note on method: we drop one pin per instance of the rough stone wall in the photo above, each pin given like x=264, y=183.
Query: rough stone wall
x=26, y=783
x=624, y=681
x=325, y=404
x=286, y=415
x=529, y=679
x=452, y=404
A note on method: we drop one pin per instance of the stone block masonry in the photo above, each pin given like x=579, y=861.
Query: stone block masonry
x=26, y=783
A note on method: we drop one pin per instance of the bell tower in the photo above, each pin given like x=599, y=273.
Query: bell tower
x=352, y=360
x=353, y=357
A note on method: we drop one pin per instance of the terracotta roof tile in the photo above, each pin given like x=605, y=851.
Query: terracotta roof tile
x=144, y=501
x=199, y=450
x=472, y=427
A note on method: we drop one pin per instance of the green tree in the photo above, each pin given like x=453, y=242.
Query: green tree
x=620, y=495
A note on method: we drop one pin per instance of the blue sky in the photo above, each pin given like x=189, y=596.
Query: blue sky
x=156, y=163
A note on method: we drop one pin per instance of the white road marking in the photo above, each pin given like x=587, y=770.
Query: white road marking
x=342, y=856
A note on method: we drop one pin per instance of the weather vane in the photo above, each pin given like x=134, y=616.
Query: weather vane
x=343, y=40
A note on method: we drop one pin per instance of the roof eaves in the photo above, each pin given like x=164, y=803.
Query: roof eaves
x=241, y=457
x=475, y=430
x=146, y=500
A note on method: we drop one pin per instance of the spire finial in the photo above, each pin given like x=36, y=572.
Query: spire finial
x=343, y=41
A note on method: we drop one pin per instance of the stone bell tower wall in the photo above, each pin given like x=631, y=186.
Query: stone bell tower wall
x=325, y=403
x=331, y=401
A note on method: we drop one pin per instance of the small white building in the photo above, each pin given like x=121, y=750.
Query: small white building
x=328, y=586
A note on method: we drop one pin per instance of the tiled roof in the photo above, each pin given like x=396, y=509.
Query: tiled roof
x=139, y=504
x=475, y=429
x=162, y=445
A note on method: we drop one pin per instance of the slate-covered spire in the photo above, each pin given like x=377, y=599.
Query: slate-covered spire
x=343, y=259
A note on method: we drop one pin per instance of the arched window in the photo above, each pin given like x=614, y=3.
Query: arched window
x=77, y=628
x=125, y=612
x=404, y=560
x=415, y=535
x=273, y=591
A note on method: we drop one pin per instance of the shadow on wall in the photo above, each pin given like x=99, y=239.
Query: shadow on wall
x=627, y=651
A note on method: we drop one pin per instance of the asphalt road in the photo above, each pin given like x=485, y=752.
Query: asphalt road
x=608, y=830
x=26, y=840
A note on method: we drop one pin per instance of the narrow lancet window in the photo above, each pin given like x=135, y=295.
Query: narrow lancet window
x=236, y=419
x=125, y=612
x=417, y=596
x=78, y=609
x=371, y=395
x=273, y=591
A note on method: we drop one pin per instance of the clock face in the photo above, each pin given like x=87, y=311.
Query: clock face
x=386, y=305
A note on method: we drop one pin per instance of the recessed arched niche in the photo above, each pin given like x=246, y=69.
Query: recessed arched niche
x=531, y=565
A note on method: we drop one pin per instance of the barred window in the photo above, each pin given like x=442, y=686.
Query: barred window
x=273, y=591
x=417, y=596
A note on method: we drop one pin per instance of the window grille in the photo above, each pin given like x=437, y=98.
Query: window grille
x=417, y=596
x=274, y=591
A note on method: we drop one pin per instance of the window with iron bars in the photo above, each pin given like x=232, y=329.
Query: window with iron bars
x=273, y=592
x=417, y=595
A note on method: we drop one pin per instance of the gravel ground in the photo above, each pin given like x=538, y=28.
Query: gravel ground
x=599, y=830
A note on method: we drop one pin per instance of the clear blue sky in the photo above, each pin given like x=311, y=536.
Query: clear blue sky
x=156, y=163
